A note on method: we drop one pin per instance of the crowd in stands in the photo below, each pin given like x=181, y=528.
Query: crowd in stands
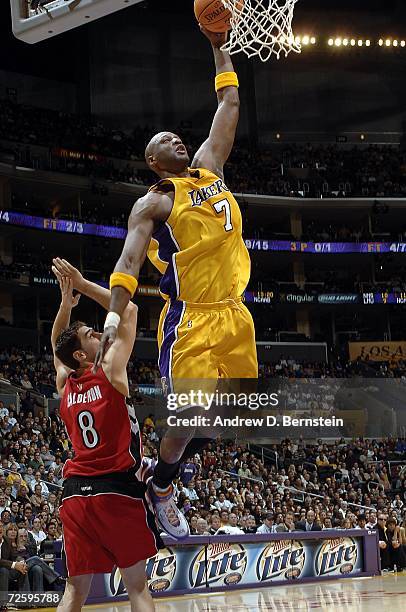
x=34, y=374
x=226, y=488
x=285, y=170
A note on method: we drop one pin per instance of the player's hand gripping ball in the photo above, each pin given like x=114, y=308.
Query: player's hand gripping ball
x=213, y=15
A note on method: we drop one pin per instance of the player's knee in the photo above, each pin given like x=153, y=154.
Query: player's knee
x=74, y=597
x=135, y=579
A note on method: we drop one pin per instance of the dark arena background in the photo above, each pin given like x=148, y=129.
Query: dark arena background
x=319, y=172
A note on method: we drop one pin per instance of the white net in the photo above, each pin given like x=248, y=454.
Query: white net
x=261, y=27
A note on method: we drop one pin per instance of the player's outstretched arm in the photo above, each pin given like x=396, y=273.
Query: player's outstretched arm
x=215, y=151
x=61, y=322
x=91, y=290
x=146, y=212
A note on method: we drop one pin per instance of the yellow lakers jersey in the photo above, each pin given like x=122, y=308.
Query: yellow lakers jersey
x=200, y=250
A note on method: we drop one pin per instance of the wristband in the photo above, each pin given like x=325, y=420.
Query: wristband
x=112, y=320
x=127, y=281
x=226, y=79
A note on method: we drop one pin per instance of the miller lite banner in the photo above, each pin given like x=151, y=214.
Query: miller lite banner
x=226, y=564
x=377, y=351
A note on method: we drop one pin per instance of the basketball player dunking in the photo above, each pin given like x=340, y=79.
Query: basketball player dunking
x=106, y=521
x=191, y=226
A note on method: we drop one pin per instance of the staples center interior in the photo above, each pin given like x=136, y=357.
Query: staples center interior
x=237, y=439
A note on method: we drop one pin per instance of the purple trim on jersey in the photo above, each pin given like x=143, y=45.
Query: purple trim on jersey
x=168, y=283
x=167, y=247
x=167, y=244
x=172, y=321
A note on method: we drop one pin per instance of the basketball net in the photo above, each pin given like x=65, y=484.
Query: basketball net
x=261, y=27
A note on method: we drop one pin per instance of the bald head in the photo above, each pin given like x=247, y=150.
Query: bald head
x=166, y=154
x=150, y=148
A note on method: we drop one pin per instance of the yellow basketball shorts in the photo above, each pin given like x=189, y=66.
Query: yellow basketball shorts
x=206, y=341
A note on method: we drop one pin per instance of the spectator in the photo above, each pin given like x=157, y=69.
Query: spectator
x=287, y=525
x=222, y=503
x=37, y=532
x=187, y=471
x=309, y=524
x=9, y=569
x=268, y=525
x=202, y=527
x=372, y=522
x=361, y=522
x=37, y=568
x=215, y=524
x=395, y=551
x=41, y=483
x=251, y=526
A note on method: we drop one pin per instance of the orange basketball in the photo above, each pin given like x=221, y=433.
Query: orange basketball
x=213, y=15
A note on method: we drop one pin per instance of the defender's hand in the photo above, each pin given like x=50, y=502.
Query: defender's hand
x=66, y=269
x=107, y=339
x=66, y=286
x=217, y=39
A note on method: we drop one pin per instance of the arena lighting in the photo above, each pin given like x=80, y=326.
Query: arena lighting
x=278, y=136
x=380, y=43
x=362, y=137
x=367, y=43
x=345, y=42
x=352, y=42
x=387, y=42
x=330, y=42
x=337, y=42
x=298, y=40
x=360, y=43
x=395, y=43
x=313, y=40
x=305, y=40
x=403, y=43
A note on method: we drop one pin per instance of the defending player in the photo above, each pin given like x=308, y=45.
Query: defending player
x=191, y=226
x=105, y=518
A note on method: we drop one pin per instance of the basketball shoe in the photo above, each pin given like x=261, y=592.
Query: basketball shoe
x=167, y=514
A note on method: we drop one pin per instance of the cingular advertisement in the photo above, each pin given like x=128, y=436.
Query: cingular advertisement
x=222, y=564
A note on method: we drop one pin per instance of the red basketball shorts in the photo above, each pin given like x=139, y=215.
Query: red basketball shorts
x=106, y=523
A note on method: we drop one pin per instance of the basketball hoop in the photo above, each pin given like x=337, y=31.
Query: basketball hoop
x=261, y=27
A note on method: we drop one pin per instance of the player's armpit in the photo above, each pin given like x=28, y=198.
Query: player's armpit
x=215, y=151
x=62, y=373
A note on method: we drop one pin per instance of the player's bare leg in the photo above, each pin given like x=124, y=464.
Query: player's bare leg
x=135, y=581
x=76, y=592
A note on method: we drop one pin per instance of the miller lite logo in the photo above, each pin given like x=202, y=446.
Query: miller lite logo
x=116, y=584
x=281, y=559
x=161, y=570
x=335, y=557
x=226, y=564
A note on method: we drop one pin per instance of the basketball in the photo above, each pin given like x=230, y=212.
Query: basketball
x=213, y=15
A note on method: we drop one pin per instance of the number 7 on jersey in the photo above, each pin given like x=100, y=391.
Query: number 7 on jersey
x=221, y=205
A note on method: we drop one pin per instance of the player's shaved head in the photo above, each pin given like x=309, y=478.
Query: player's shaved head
x=151, y=146
x=166, y=155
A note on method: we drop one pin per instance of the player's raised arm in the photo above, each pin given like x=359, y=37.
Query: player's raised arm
x=215, y=151
x=62, y=321
x=124, y=281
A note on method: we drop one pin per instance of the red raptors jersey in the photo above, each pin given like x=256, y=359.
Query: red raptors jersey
x=103, y=429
